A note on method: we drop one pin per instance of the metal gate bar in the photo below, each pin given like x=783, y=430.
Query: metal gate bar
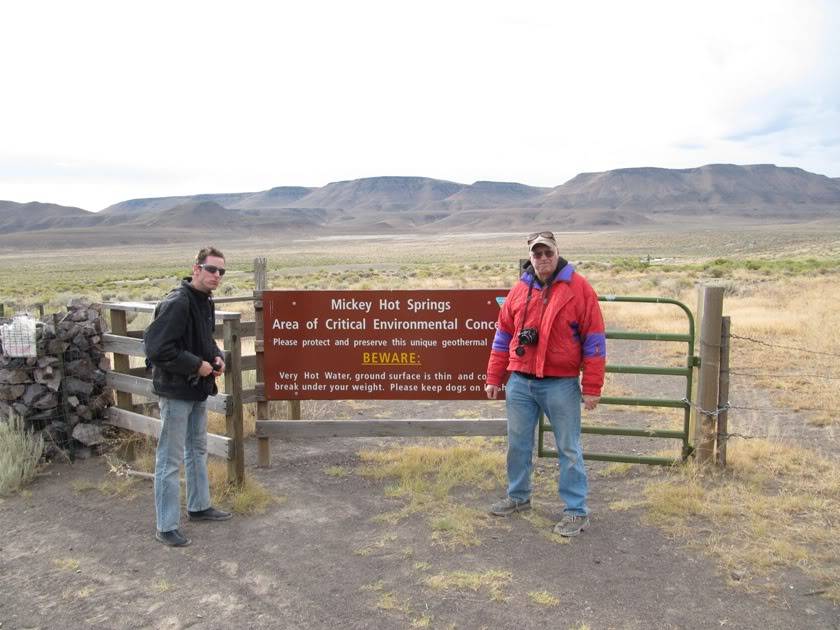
x=685, y=372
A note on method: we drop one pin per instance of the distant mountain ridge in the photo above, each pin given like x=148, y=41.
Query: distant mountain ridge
x=279, y=197
x=722, y=185
x=630, y=196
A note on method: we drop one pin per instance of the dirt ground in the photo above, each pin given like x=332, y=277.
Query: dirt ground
x=318, y=559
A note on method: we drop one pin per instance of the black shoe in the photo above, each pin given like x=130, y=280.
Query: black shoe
x=172, y=538
x=210, y=514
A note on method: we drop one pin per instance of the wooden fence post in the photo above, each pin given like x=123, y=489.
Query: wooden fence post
x=233, y=387
x=119, y=326
x=294, y=410
x=723, y=393
x=122, y=363
x=260, y=281
x=711, y=301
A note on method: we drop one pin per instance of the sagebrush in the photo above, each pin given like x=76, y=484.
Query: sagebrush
x=20, y=453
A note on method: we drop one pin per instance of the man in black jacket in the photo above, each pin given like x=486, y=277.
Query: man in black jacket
x=186, y=360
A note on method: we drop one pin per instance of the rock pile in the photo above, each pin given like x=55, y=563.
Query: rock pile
x=61, y=392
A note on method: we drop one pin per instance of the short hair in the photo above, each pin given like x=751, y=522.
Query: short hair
x=204, y=252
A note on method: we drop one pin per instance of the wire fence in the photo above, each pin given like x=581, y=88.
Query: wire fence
x=756, y=373
x=783, y=347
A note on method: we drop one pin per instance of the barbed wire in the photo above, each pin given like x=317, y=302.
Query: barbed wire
x=776, y=409
x=727, y=406
x=723, y=436
x=782, y=347
x=786, y=374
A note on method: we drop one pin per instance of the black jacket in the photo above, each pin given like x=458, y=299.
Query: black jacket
x=178, y=340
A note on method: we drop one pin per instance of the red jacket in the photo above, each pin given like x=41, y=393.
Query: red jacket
x=568, y=319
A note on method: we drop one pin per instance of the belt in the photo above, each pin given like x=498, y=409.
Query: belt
x=533, y=377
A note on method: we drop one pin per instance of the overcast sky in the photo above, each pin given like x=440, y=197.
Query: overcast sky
x=108, y=101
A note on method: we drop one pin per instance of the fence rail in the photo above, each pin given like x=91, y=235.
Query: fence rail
x=219, y=445
x=141, y=386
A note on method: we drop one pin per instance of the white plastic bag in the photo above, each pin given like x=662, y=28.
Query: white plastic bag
x=18, y=337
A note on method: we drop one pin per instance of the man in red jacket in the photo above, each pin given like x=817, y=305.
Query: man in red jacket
x=550, y=329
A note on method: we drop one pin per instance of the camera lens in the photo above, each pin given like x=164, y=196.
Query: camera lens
x=528, y=336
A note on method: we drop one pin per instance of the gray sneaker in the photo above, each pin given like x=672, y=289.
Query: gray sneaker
x=508, y=506
x=571, y=525
x=172, y=538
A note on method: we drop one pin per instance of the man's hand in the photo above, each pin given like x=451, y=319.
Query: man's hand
x=492, y=391
x=220, y=367
x=590, y=402
x=205, y=369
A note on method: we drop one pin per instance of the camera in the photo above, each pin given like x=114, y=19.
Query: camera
x=528, y=336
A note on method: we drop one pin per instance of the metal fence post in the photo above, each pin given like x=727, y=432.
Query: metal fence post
x=233, y=387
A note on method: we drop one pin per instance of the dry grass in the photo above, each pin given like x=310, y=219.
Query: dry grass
x=544, y=598
x=391, y=602
x=796, y=327
x=790, y=338
x=493, y=582
x=250, y=497
x=113, y=486
x=375, y=546
x=67, y=564
x=20, y=453
x=163, y=585
x=615, y=469
x=336, y=471
x=773, y=508
x=425, y=478
x=85, y=592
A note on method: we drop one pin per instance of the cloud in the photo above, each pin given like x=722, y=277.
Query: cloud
x=28, y=166
x=691, y=146
x=782, y=121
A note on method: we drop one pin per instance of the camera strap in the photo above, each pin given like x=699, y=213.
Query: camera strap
x=546, y=290
x=527, y=301
x=520, y=350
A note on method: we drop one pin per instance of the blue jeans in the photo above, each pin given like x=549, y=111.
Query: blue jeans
x=559, y=399
x=183, y=437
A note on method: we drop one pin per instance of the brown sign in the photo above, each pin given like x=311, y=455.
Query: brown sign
x=425, y=344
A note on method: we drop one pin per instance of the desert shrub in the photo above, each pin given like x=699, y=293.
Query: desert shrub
x=20, y=452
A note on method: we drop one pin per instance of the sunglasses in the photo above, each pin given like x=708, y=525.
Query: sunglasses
x=533, y=237
x=213, y=269
x=545, y=253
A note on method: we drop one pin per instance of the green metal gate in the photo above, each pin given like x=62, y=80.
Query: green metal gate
x=685, y=372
